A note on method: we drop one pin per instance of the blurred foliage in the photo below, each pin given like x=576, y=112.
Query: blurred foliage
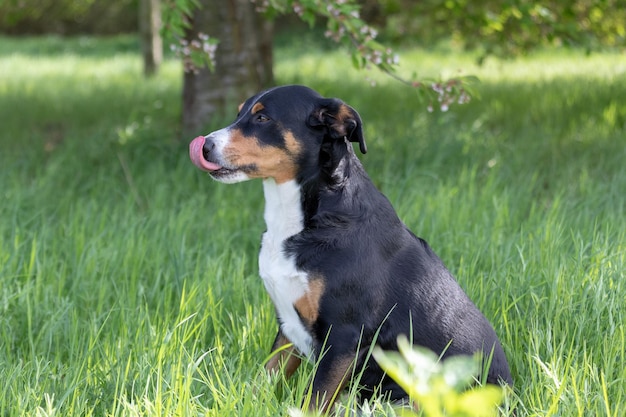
x=440, y=388
x=504, y=27
x=500, y=27
x=67, y=17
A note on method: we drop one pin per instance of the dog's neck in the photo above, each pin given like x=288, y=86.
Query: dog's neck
x=283, y=208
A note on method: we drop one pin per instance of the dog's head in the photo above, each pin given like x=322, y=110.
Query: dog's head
x=283, y=133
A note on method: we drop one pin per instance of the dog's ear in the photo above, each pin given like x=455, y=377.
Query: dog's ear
x=341, y=120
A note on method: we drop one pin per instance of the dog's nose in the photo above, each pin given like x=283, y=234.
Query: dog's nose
x=209, y=145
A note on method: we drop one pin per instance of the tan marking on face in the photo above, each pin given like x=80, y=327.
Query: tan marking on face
x=308, y=306
x=257, y=108
x=287, y=357
x=292, y=144
x=269, y=161
x=240, y=107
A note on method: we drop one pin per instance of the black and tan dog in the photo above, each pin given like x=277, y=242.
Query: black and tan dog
x=336, y=260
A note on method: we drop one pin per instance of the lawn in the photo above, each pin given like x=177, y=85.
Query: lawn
x=128, y=279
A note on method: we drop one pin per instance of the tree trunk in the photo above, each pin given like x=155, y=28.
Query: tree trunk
x=149, y=27
x=243, y=61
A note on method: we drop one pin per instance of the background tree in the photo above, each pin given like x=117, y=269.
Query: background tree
x=239, y=67
x=150, y=35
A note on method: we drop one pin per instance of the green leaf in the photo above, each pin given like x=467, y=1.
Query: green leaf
x=479, y=402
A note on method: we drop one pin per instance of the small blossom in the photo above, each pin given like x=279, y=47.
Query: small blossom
x=371, y=81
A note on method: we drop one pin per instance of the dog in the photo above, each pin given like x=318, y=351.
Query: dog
x=341, y=268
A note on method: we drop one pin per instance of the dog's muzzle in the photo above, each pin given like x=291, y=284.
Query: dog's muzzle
x=198, y=149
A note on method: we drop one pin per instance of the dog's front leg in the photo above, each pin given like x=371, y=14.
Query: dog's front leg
x=286, y=357
x=331, y=376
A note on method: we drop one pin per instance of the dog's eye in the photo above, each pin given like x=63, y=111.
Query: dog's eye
x=262, y=118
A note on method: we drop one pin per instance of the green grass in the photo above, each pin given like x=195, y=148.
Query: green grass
x=128, y=279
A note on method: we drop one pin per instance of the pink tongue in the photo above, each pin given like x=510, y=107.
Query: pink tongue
x=195, y=153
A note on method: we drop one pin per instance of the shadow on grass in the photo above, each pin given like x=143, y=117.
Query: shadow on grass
x=54, y=45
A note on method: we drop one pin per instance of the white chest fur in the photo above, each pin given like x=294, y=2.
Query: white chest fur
x=284, y=282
